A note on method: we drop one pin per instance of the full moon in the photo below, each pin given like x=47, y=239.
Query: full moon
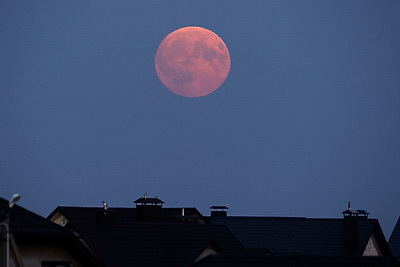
x=192, y=61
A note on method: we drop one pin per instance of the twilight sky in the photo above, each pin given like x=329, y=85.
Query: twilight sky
x=307, y=120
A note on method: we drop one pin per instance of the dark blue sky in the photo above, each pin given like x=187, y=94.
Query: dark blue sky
x=308, y=118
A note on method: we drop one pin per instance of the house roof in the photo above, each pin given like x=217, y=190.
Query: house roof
x=89, y=214
x=30, y=228
x=298, y=235
x=298, y=261
x=124, y=241
x=26, y=224
x=394, y=240
x=145, y=244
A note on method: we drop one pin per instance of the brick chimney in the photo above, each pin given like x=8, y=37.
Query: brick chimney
x=219, y=211
x=148, y=209
x=350, y=231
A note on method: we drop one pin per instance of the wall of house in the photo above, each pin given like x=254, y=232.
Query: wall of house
x=372, y=248
x=33, y=255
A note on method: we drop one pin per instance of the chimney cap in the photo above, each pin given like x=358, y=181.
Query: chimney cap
x=148, y=200
x=349, y=212
x=363, y=212
x=219, y=211
x=219, y=207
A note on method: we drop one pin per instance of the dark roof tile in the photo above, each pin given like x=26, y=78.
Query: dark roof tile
x=89, y=214
x=296, y=236
x=127, y=242
x=394, y=240
x=298, y=261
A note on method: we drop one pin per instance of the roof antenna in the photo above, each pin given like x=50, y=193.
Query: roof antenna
x=348, y=212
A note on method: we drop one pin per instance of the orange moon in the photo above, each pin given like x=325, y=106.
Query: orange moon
x=192, y=61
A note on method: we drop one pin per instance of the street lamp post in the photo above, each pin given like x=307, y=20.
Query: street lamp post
x=5, y=259
x=5, y=224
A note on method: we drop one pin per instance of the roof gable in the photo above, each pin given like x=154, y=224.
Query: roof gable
x=210, y=250
x=376, y=239
x=24, y=223
x=372, y=248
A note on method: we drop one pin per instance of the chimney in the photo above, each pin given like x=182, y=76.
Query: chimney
x=350, y=231
x=219, y=211
x=148, y=209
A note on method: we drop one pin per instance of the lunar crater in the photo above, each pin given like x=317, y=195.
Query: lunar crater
x=192, y=62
